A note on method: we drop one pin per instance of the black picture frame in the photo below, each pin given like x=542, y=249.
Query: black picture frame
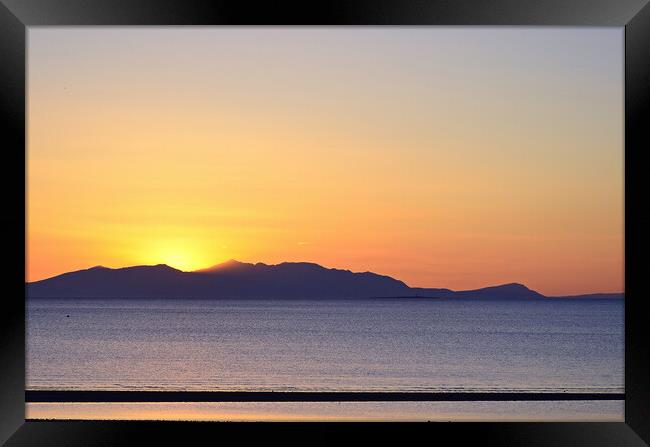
x=16, y=15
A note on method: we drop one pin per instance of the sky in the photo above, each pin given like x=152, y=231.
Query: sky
x=442, y=156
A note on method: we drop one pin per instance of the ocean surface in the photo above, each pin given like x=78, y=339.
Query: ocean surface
x=338, y=345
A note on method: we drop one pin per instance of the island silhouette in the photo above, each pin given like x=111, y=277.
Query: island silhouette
x=234, y=279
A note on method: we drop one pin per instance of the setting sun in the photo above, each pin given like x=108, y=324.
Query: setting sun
x=181, y=254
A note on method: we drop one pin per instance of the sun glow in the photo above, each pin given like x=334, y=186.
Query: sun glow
x=180, y=254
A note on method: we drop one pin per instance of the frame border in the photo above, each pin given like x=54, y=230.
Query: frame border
x=17, y=15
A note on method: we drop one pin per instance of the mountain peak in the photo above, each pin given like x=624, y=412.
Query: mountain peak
x=229, y=265
x=511, y=290
x=513, y=286
x=302, y=265
x=156, y=267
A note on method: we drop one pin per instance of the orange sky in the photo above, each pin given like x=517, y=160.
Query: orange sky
x=443, y=157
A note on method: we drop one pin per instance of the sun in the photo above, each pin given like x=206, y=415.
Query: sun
x=180, y=254
x=181, y=261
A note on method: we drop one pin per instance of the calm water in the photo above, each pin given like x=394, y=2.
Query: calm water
x=333, y=411
x=387, y=344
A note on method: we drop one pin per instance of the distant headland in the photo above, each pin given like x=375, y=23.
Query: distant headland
x=240, y=280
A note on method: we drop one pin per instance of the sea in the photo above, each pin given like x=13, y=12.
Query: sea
x=400, y=344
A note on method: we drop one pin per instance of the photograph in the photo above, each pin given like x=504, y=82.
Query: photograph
x=375, y=223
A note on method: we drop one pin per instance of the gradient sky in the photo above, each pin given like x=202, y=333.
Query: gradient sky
x=442, y=156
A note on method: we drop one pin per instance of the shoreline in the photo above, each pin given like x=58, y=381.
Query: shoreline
x=34, y=396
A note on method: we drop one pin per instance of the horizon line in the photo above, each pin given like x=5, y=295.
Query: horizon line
x=232, y=260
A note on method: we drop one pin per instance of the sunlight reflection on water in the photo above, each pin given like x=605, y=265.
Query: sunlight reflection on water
x=333, y=411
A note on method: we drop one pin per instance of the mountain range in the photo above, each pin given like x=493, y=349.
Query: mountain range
x=234, y=279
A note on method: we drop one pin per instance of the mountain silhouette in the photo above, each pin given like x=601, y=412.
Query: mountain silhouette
x=512, y=291
x=234, y=279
